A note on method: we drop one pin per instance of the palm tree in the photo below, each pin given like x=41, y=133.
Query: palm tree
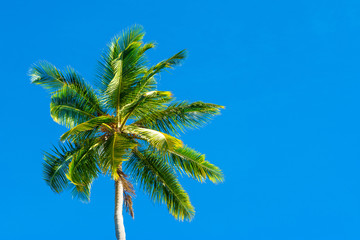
x=124, y=126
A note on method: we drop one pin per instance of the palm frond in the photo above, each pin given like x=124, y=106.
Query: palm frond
x=180, y=116
x=128, y=68
x=176, y=59
x=152, y=104
x=147, y=82
x=83, y=167
x=86, y=126
x=122, y=63
x=147, y=46
x=158, y=180
x=69, y=109
x=161, y=141
x=146, y=79
x=48, y=76
x=81, y=192
x=194, y=164
x=148, y=102
x=115, y=150
x=56, y=165
x=133, y=34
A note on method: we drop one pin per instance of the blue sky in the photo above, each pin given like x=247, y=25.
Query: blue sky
x=288, y=141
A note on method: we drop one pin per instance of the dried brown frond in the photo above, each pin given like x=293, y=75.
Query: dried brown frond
x=129, y=192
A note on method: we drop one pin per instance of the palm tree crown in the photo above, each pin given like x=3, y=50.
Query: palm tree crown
x=125, y=125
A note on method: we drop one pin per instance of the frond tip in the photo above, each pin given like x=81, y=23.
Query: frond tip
x=194, y=164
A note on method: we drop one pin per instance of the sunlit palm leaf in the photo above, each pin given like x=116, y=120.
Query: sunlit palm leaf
x=147, y=46
x=159, y=140
x=86, y=126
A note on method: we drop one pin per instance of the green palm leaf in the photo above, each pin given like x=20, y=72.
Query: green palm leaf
x=145, y=47
x=49, y=77
x=116, y=149
x=68, y=109
x=121, y=66
x=148, y=102
x=56, y=165
x=118, y=44
x=179, y=116
x=194, y=164
x=161, y=141
x=147, y=82
x=86, y=126
x=81, y=192
x=158, y=180
x=83, y=168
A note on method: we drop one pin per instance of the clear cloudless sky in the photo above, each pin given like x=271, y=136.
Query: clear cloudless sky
x=288, y=141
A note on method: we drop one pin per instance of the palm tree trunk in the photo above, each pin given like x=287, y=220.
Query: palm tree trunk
x=119, y=202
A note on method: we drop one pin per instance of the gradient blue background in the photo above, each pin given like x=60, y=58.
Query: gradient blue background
x=288, y=141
